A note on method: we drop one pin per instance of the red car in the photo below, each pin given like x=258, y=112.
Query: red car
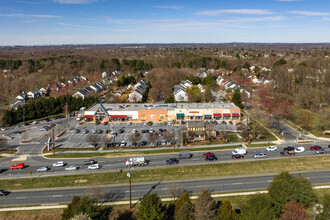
x=17, y=166
x=237, y=156
x=208, y=154
x=105, y=123
x=315, y=147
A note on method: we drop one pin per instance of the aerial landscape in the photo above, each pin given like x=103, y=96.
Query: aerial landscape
x=161, y=110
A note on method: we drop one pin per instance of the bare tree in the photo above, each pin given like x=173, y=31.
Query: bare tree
x=93, y=139
x=134, y=138
x=153, y=137
x=168, y=136
x=107, y=140
x=175, y=190
x=205, y=207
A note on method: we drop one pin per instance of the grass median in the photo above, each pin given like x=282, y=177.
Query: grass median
x=144, y=153
x=173, y=173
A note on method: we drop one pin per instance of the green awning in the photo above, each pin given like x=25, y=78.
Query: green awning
x=180, y=115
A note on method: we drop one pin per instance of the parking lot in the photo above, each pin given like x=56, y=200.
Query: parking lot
x=77, y=137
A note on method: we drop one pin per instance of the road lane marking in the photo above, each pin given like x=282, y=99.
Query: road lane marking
x=20, y=197
x=236, y=183
x=269, y=181
x=57, y=195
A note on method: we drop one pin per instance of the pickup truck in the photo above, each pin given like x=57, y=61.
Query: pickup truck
x=17, y=166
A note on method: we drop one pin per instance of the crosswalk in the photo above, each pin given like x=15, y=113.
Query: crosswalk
x=294, y=141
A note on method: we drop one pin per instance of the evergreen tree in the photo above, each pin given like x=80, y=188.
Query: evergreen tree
x=151, y=208
x=237, y=100
x=225, y=211
x=184, y=209
x=258, y=207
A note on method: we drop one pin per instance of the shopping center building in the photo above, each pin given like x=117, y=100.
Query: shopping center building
x=163, y=112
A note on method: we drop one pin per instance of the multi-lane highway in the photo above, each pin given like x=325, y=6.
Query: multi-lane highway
x=120, y=191
x=156, y=160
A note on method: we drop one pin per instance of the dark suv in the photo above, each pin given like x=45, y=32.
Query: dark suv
x=288, y=149
x=209, y=158
x=172, y=161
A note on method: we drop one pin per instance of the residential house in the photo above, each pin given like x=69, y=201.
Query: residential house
x=82, y=93
x=201, y=88
x=34, y=94
x=138, y=90
x=16, y=103
x=180, y=94
x=22, y=96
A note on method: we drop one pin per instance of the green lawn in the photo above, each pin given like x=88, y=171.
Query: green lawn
x=174, y=173
x=8, y=152
x=149, y=152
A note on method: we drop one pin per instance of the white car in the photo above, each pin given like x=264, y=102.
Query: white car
x=43, y=169
x=35, y=122
x=59, y=164
x=94, y=166
x=271, y=148
x=3, y=128
x=123, y=144
x=71, y=167
x=134, y=131
x=299, y=150
x=9, y=138
x=129, y=123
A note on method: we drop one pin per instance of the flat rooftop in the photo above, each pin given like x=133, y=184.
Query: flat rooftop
x=169, y=106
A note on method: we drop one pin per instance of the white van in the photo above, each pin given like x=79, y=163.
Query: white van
x=239, y=150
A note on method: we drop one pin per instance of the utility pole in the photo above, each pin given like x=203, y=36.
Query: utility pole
x=24, y=116
x=66, y=114
x=53, y=140
x=130, y=187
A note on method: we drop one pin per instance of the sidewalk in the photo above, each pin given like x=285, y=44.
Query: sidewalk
x=310, y=135
x=126, y=202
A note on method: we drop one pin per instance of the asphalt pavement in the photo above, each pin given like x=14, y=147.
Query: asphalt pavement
x=162, y=188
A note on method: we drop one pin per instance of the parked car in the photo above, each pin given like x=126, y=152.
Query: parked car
x=43, y=169
x=105, y=123
x=9, y=137
x=134, y=131
x=4, y=193
x=208, y=154
x=77, y=131
x=99, y=131
x=143, y=143
x=237, y=156
x=163, y=142
x=18, y=125
x=321, y=151
x=59, y=164
x=114, y=134
x=271, y=148
x=123, y=144
x=184, y=155
x=120, y=131
x=71, y=167
x=129, y=123
x=85, y=131
x=299, y=150
x=94, y=131
x=3, y=128
x=172, y=161
x=259, y=155
x=213, y=157
x=17, y=166
x=107, y=131
x=315, y=147
x=17, y=132
x=90, y=162
x=94, y=166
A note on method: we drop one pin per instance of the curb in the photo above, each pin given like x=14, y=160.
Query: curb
x=136, y=201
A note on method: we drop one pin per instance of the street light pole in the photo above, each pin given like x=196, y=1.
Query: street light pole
x=130, y=186
x=24, y=116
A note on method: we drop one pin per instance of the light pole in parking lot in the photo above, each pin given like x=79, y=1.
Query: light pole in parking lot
x=24, y=116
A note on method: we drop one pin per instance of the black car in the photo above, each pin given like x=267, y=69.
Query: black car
x=4, y=193
x=90, y=162
x=120, y=131
x=172, y=161
x=107, y=131
x=143, y=143
x=211, y=158
x=287, y=149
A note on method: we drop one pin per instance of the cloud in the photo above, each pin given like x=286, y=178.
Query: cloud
x=325, y=19
x=29, y=15
x=75, y=2
x=173, y=7
x=234, y=11
x=310, y=13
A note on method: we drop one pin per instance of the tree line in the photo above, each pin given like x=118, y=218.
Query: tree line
x=289, y=198
x=46, y=106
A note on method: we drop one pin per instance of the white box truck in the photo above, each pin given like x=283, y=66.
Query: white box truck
x=136, y=161
x=240, y=150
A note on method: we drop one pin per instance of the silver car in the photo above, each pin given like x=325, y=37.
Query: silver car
x=43, y=169
x=259, y=155
x=321, y=151
x=71, y=167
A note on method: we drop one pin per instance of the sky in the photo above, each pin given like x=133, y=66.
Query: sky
x=53, y=22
